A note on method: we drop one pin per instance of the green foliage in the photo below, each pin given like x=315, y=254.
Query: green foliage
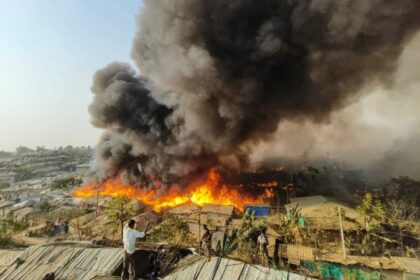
x=373, y=212
x=119, y=209
x=41, y=149
x=23, y=150
x=44, y=205
x=78, y=154
x=66, y=182
x=24, y=173
x=66, y=214
x=172, y=230
x=247, y=251
x=4, y=154
x=289, y=223
x=12, y=224
x=9, y=226
x=243, y=240
x=247, y=230
x=247, y=236
x=229, y=243
x=4, y=185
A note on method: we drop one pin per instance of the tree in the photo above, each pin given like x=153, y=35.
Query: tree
x=247, y=236
x=41, y=149
x=23, y=150
x=119, y=209
x=400, y=214
x=9, y=226
x=4, y=154
x=172, y=230
x=373, y=213
x=44, y=205
x=403, y=189
x=25, y=173
x=228, y=244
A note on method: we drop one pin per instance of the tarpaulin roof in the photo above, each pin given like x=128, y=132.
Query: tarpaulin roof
x=77, y=261
x=197, y=267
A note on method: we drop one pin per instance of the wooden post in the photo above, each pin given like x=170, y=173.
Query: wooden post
x=343, y=245
x=401, y=240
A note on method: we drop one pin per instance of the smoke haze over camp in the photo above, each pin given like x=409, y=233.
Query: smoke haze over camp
x=218, y=78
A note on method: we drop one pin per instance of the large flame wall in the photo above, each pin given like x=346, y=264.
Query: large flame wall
x=210, y=190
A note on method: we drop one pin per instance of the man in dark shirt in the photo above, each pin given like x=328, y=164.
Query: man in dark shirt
x=206, y=241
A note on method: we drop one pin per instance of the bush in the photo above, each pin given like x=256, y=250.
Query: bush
x=9, y=226
x=44, y=205
x=172, y=230
x=247, y=251
x=66, y=182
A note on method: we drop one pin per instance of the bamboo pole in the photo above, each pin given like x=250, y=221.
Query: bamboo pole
x=343, y=244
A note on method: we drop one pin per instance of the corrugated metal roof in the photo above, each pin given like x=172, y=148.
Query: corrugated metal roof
x=77, y=261
x=197, y=267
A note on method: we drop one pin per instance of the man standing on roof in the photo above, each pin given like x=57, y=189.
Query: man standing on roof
x=129, y=239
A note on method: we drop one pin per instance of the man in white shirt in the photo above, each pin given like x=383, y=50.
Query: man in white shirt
x=129, y=239
x=262, y=242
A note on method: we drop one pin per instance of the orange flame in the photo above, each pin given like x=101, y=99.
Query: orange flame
x=211, y=191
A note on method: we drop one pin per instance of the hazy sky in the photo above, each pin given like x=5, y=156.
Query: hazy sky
x=49, y=51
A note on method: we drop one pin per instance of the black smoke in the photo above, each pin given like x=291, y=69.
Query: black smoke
x=221, y=75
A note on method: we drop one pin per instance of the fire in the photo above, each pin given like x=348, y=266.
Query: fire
x=268, y=185
x=209, y=191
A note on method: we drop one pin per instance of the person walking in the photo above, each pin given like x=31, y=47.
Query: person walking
x=263, y=246
x=206, y=241
x=130, y=234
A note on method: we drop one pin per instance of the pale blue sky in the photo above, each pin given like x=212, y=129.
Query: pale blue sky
x=49, y=51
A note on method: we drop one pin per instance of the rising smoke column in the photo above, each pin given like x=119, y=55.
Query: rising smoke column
x=223, y=74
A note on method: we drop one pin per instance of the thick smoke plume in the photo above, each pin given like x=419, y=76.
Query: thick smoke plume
x=222, y=75
x=379, y=133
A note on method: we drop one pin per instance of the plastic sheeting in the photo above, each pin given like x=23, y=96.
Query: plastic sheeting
x=197, y=267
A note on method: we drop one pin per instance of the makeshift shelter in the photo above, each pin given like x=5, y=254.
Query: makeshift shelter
x=146, y=220
x=226, y=210
x=23, y=213
x=185, y=209
x=78, y=261
x=197, y=267
x=83, y=261
x=321, y=212
x=216, y=216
